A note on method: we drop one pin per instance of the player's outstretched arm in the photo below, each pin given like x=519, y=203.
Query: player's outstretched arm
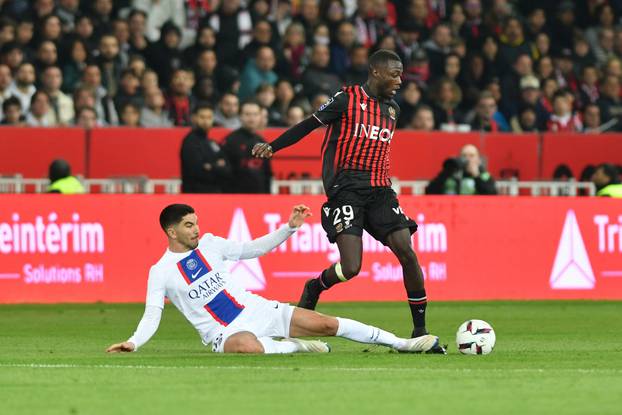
x=146, y=329
x=288, y=138
x=267, y=243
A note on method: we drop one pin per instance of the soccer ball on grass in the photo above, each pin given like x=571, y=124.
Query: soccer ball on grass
x=475, y=337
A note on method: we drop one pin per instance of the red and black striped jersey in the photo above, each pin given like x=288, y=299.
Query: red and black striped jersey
x=357, y=142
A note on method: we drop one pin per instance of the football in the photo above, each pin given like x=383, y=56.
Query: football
x=475, y=337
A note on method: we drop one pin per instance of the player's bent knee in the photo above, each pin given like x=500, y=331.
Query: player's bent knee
x=243, y=343
x=328, y=326
x=350, y=270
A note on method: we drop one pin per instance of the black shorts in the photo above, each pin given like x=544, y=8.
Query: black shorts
x=375, y=210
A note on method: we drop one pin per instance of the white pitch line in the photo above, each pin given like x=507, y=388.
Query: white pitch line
x=321, y=368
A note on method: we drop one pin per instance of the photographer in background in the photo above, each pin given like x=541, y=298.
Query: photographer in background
x=464, y=175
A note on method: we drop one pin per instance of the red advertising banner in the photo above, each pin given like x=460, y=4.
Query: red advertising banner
x=56, y=248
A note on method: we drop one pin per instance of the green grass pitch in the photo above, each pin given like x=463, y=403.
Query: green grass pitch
x=551, y=358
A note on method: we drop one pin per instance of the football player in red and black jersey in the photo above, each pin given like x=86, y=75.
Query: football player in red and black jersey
x=360, y=123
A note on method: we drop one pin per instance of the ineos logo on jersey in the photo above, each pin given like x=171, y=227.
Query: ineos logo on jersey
x=373, y=132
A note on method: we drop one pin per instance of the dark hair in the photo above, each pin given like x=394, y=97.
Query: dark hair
x=83, y=109
x=610, y=171
x=36, y=94
x=561, y=171
x=58, y=169
x=173, y=214
x=382, y=57
x=202, y=106
x=135, y=12
x=10, y=102
x=249, y=102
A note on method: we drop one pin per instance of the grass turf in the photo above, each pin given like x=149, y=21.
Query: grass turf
x=551, y=357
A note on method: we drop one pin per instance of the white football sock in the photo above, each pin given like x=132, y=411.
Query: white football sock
x=362, y=333
x=271, y=346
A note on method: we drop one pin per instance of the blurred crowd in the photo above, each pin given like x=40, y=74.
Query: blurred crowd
x=495, y=65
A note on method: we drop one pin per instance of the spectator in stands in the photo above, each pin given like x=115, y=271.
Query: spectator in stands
x=12, y=55
x=165, y=56
x=104, y=105
x=438, y=48
x=158, y=13
x=85, y=31
x=121, y=30
x=409, y=99
x=137, y=27
x=265, y=97
x=604, y=50
x=341, y=48
x=526, y=120
x=204, y=166
x=61, y=180
x=356, y=73
x=464, y=175
x=12, y=112
x=40, y=114
x=129, y=90
x=74, y=65
x=5, y=83
x=294, y=49
x=153, y=113
x=24, y=34
x=50, y=29
x=180, y=102
x=129, y=115
x=588, y=88
x=446, y=98
x=227, y=114
x=205, y=40
x=512, y=43
x=250, y=174
x=233, y=25
x=591, y=119
x=86, y=118
x=563, y=119
x=110, y=64
x=61, y=110
x=309, y=17
x=530, y=96
x=606, y=178
x=284, y=98
x=257, y=71
x=47, y=55
x=510, y=84
x=295, y=114
x=23, y=87
x=423, y=119
x=101, y=13
x=610, y=102
x=67, y=10
x=317, y=78
x=487, y=117
x=262, y=36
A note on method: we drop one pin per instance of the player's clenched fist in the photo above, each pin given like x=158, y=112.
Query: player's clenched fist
x=121, y=347
x=262, y=150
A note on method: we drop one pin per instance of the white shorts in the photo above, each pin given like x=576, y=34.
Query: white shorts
x=267, y=319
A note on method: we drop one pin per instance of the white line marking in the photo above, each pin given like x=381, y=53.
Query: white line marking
x=611, y=273
x=320, y=368
x=10, y=276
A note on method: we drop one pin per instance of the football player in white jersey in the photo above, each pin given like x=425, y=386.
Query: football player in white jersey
x=192, y=274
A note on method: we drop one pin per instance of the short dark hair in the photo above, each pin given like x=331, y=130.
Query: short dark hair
x=173, y=214
x=610, y=171
x=382, y=57
x=11, y=101
x=202, y=106
x=249, y=102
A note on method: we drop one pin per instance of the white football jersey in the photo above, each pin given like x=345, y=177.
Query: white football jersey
x=198, y=283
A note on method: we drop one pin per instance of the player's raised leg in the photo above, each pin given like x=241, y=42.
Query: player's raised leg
x=310, y=323
x=350, y=252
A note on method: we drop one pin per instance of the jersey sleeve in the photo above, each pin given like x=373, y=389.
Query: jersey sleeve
x=156, y=288
x=333, y=109
x=230, y=250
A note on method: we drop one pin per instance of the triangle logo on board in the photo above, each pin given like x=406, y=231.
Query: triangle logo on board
x=571, y=269
x=248, y=272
